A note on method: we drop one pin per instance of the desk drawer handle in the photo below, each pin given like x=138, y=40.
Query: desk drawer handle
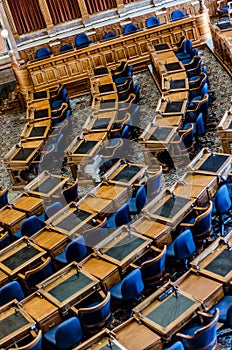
x=51, y=325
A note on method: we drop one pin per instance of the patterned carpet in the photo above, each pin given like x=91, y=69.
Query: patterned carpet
x=12, y=123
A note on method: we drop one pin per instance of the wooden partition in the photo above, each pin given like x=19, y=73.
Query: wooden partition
x=72, y=68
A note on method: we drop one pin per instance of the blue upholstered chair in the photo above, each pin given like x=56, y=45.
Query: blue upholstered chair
x=65, y=336
x=193, y=68
x=50, y=210
x=222, y=206
x=130, y=28
x=32, y=277
x=29, y=226
x=57, y=102
x=204, y=91
x=182, y=248
x=44, y=52
x=185, y=52
x=35, y=344
x=188, y=59
x=202, y=334
x=121, y=217
x=82, y=40
x=3, y=197
x=152, y=22
x=129, y=288
x=176, y=346
x=122, y=70
x=66, y=47
x=201, y=224
x=196, y=84
x=76, y=250
x=71, y=193
x=137, y=203
x=109, y=35
x=177, y=14
x=95, y=317
x=10, y=291
x=197, y=106
x=4, y=239
x=225, y=310
x=125, y=88
x=153, y=269
x=186, y=137
x=222, y=8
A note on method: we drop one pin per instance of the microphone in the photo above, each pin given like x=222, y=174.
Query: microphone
x=165, y=294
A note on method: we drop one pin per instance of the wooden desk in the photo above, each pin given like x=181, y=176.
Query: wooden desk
x=122, y=247
x=157, y=138
x=71, y=219
x=102, y=85
x=225, y=131
x=125, y=173
x=11, y=219
x=209, y=182
x=33, y=96
x=20, y=256
x=29, y=204
x=42, y=311
x=169, y=315
x=204, y=289
x=15, y=324
x=46, y=185
x=101, y=122
x=51, y=240
x=39, y=110
x=134, y=334
x=159, y=233
x=102, y=206
x=169, y=209
x=215, y=261
x=4, y=278
x=211, y=163
x=36, y=130
x=116, y=193
x=105, y=102
x=174, y=82
x=105, y=271
x=173, y=104
x=68, y=287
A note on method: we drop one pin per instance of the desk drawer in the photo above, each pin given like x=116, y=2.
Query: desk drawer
x=49, y=322
x=110, y=280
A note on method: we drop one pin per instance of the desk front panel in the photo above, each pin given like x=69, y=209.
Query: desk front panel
x=28, y=204
x=21, y=155
x=114, y=192
x=68, y=287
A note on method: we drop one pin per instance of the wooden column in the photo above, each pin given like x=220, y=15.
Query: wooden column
x=120, y=4
x=83, y=9
x=46, y=14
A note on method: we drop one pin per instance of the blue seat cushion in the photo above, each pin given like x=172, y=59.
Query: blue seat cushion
x=116, y=291
x=170, y=250
x=111, y=221
x=61, y=258
x=132, y=205
x=51, y=336
x=223, y=307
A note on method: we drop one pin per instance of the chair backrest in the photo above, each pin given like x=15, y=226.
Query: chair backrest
x=204, y=89
x=200, y=125
x=132, y=285
x=44, y=52
x=109, y=35
x=177, y=14
x=66, y=47
x=187, y=138
x=35, y=344
x=68, y=334
x=71, y=193
x=152, y=21
x=203, y=224
x=125, y=132
x=141, y=198
x=4, y=239
x=123, y=215
x=76, y=250
x=189, y=45
x=82, y=40
x=205, y=337
x=96, y=317
x=52, y=209
x=31, y=226
x=10, y=291
x=4, y=197
x=176, y=346
x=184, y=245
x=153, y=269
x=130, y=28
x=222, y=200
x=95, y=235
x=38, y=274
x=154, y=184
